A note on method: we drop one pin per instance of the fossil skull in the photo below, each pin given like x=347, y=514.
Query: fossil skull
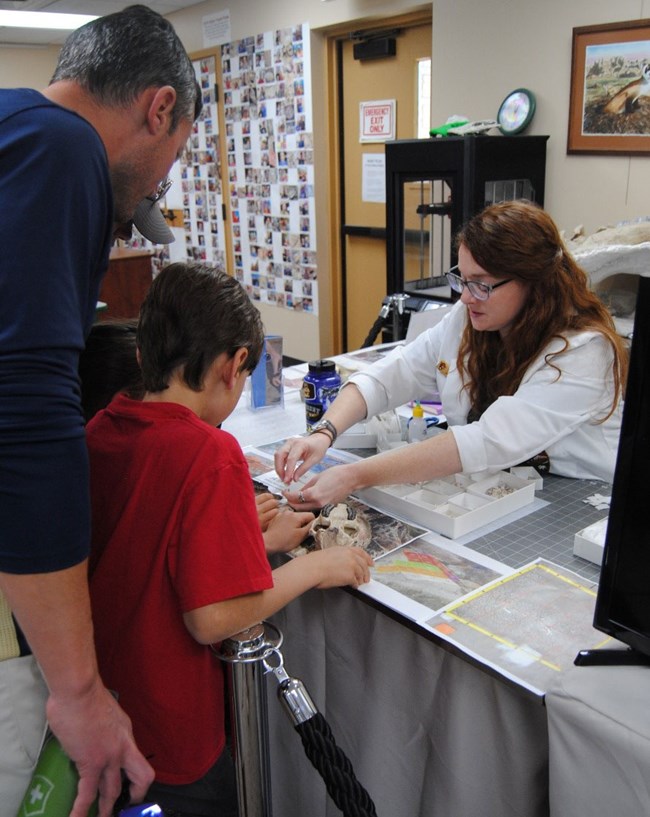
x=340, y=525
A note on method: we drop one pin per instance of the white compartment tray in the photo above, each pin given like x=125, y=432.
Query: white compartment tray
x=589, y=543
x=456, y=505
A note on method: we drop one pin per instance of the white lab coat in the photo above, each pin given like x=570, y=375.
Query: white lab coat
x=558, y=415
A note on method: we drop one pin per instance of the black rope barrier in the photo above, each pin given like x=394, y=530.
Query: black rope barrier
x=375, y=329
x=393, y=305
x=335, y=768
x=318, y=741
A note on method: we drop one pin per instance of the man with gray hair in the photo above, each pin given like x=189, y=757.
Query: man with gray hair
x=75, y=160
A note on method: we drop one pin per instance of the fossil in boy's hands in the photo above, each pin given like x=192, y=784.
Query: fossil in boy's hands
x=340, y=525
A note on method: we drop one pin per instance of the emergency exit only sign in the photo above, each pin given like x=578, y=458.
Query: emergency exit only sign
x=377, y=120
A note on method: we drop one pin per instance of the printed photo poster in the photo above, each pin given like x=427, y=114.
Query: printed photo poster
x=161, y=255
x=528, y=625
x=270, y=166
x=201, y=187
x=196, y=188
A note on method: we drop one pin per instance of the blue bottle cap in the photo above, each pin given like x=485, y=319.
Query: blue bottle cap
x=143, y=810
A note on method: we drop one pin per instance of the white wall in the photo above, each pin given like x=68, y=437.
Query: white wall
x=481, y=51
x=27, y=67
x=249, y=17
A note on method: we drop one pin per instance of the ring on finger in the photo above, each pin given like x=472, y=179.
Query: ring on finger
x=301, y=497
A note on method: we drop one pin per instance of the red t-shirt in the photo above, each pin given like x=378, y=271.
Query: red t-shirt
x=174, y=528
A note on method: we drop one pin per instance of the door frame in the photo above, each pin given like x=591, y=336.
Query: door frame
x=335, y=36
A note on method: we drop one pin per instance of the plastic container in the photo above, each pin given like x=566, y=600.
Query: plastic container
x=417, y=425
x=463, y=511
x=319, y=388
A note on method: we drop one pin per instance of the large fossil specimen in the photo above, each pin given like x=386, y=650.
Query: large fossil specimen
x=340, y=525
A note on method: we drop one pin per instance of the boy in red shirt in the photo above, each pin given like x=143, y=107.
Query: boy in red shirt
x=178, y=561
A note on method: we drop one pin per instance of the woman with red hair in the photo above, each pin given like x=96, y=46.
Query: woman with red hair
x=527, y=363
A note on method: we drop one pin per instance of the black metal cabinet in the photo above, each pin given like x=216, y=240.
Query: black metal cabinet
x=434, y=185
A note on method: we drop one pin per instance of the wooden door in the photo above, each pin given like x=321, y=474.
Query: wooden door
x=363, y=249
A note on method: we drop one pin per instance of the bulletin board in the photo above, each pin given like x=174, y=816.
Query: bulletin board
x=200, y=180
x=197, y=188
x=270, y=166
x=267, y=177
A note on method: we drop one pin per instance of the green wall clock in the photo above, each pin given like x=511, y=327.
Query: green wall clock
x=516, y=111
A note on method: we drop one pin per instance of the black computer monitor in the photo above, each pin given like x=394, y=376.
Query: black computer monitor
x=623, y=601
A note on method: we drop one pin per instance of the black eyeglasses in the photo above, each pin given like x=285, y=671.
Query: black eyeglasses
x=477, y=289
x=162, y=188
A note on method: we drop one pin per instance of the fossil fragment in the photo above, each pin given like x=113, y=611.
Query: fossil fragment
x=340, y=525
x=499, y=491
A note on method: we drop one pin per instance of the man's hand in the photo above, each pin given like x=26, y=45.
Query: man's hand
x=96, y=734
x=53, y=610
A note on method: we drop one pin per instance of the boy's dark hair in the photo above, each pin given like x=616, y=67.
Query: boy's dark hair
x=109, y=365
x=118, y=56
x=191, y=315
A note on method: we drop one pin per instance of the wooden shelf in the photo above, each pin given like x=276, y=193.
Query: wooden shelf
x=126, y=283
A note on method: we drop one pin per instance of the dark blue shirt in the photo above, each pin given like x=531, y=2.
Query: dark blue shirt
x=56, y=212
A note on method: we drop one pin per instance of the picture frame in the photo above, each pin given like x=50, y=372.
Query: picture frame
x=609, y=108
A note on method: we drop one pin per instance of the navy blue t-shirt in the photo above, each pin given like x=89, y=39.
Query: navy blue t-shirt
x=56, y=211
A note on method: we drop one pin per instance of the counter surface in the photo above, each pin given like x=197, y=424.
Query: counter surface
x=428, y=729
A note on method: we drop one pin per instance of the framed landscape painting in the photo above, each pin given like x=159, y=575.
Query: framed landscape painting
x=609, y=110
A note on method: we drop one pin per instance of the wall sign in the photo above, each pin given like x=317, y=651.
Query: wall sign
x=373, y=178
x=216, y=28
x=377, y=120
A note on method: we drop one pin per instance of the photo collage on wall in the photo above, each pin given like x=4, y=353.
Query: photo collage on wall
x=200, y=178
x=270, y=166
x=196, y=187
x=160, y=252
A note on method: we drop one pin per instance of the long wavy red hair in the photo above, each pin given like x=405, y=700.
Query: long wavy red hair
x=518, y=239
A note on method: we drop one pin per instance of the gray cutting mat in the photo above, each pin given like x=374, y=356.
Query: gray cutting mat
x=548, y=532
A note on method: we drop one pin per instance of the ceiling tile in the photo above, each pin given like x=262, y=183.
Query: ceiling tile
x=26, y=36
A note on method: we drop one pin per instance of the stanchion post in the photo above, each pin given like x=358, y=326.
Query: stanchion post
x=243, y=655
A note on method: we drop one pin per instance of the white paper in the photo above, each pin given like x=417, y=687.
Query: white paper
x=373, y=178
x=216, y=28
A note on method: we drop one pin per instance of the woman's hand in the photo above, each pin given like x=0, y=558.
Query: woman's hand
x=287, y=530
x=332, y=486
x=298, y=454
x=268, y=507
